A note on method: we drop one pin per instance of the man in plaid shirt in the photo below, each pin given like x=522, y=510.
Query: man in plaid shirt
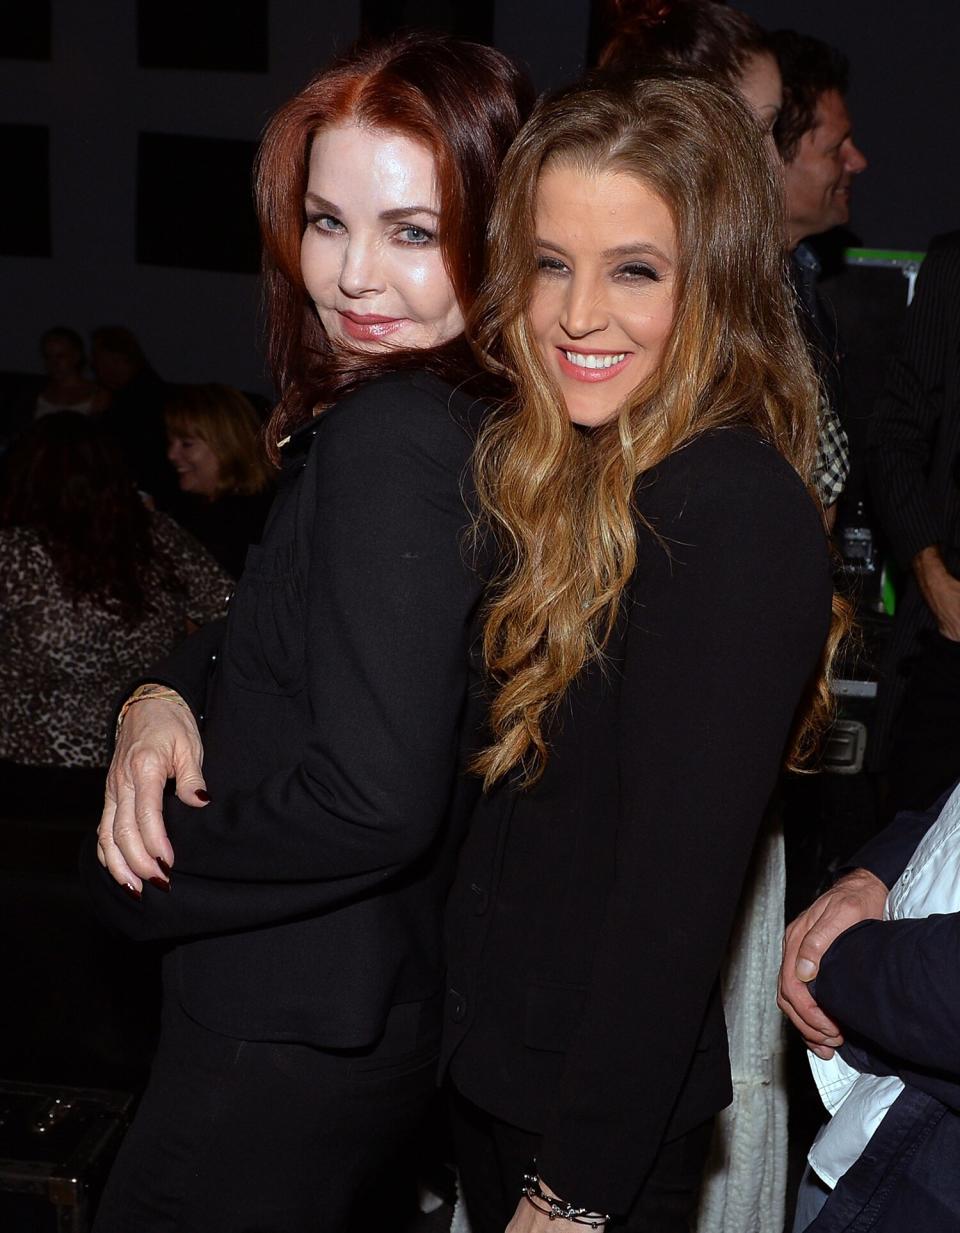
x=815, y=140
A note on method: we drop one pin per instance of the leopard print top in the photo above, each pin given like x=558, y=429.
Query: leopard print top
x=64, y=662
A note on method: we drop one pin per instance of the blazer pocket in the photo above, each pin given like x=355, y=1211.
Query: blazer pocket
x=264, y=643
x=551, y=1014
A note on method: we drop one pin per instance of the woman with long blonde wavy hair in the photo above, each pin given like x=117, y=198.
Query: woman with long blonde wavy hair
x=655, y=647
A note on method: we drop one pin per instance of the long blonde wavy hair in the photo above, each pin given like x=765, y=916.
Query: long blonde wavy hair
x=560, y=499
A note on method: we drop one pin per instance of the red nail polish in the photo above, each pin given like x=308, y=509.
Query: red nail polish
x=132, y=891
x=161, y=884
x=203, y=795
x=164, y=867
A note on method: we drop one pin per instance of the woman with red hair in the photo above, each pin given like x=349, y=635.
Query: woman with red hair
x=298, y=882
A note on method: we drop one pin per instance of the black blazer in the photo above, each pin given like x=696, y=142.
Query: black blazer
x=914, y=457
x=590, y=915
x=307, y=896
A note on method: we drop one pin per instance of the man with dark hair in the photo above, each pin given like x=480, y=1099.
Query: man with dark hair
x=813, y=134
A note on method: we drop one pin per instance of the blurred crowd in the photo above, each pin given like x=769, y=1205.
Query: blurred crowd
x=126, y=508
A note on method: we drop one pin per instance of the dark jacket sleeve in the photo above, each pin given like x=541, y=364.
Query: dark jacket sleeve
x=887, y=854
x=896, y=984
x=723, y=636
x=387, y=605
x=904, y=428
x=187, y=668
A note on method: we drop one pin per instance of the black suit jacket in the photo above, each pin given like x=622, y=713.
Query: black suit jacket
x=307, y=896
x=914, y=455
x=590, y=915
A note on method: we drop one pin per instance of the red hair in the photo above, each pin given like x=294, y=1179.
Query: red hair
x=461, y=100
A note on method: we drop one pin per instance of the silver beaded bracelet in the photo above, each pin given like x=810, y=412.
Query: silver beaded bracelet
x=556, y=1209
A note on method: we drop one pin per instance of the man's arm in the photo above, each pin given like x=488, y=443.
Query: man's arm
x=859, y=895
x=897, y=985
x=940, y=590
x=856, y=897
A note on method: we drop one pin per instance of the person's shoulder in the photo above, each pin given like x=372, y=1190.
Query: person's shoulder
x=730, y=463
x=942, y=261
x=947, y=241
x=25, y=560
x=401, y=405
x=726, y=479
x=22, y=543
x=169, y=535
x=404, y=408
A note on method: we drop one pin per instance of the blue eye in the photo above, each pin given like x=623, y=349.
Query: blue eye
x=415, y=236
x=325, y=223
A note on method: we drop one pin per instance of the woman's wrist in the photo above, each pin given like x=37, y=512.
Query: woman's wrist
x=544, y=1200
x=151, y=691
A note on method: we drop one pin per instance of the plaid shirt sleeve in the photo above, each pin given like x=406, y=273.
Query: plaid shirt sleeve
x=833, y=456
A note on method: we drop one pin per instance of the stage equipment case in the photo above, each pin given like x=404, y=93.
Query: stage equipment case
x=56, y=1144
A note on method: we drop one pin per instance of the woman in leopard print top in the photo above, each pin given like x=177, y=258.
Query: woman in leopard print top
x=93, y=587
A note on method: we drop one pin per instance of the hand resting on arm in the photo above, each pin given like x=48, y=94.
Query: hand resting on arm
x=857, y=896
x=158, y=740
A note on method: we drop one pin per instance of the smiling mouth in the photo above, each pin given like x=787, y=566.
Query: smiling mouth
x=592, y=365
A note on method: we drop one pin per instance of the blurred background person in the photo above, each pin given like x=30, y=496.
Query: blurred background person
x=914, y=465
x=226, y=483
x=67, y=387
x=93, y=587
x=698, y=36
x=730, y=49
x=814, y=134
x=137, y=396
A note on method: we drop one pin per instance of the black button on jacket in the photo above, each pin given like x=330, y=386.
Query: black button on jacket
x=307, y=896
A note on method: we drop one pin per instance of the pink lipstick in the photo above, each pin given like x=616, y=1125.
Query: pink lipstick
x=592, y=366
x=367, y=327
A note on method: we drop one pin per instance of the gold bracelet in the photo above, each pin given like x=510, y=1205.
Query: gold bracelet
x=141, y=694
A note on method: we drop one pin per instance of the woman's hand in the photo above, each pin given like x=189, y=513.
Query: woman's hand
x=158, y=740
x=526, y=1219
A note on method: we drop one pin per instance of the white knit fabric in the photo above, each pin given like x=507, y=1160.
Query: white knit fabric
x=745, y=1182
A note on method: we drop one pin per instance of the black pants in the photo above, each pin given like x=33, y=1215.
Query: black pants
x=238, y=1136
x=925, y=745
x=492, y=1157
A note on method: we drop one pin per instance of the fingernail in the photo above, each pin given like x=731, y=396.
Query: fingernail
x=164, y=867
x=202, y=795
x=825, y=1054
x=132, y=891
x=161, y=884
x=806, y=970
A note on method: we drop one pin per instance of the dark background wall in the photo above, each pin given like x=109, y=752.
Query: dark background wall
x=127, y=179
